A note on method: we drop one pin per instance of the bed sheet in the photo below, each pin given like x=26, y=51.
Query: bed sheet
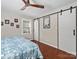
x=19, y=48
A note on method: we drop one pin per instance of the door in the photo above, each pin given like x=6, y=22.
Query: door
x=67, y=31
x=36, y=30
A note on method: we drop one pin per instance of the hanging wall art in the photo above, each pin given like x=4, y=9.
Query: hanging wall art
x=46, y=22
x=12, y=24
x=16, y=20
x=6, y=21
x=2, y=23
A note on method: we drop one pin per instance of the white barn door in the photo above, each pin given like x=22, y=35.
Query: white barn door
x=67, y=31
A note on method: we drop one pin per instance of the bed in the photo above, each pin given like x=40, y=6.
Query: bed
x=19, y=48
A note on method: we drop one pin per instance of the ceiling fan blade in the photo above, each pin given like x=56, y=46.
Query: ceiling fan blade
x=36, y=5
x=24, y=1
x=23, y=8
x=28, y=2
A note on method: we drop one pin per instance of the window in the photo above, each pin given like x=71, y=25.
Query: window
x=26, y=27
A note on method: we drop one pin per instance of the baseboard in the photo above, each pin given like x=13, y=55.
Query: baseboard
x=48, y=44
x=73, y=53
x=57, y=48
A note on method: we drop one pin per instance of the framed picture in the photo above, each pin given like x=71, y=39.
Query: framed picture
x=12, y=24
x=2, y=23
x=17, y=26
x=46, y=22
x=6, y=21
x=16, y=20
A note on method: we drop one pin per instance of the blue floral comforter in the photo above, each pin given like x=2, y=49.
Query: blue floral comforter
x=19, y=48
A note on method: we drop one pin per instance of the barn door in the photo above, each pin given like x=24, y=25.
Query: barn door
x=67, y=31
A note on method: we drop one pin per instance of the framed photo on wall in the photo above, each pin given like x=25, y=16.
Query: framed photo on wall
x=6, y=21
x=12, y=24
x=16, y=20
x=2, y=23
x=17, y=26
x=46, y=22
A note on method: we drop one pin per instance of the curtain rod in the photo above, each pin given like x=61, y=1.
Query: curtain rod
x=58, y=12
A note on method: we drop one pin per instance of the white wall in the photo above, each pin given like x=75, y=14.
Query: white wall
x=7, y=30
x=49, y=36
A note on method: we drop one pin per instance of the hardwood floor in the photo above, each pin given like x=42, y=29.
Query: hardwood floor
x=53, y=53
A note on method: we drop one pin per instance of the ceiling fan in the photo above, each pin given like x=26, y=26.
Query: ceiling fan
x=27, y=3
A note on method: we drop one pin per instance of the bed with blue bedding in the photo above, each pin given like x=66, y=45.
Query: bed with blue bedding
x=19, y=48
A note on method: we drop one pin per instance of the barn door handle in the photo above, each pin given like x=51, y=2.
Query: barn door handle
x=74, y=32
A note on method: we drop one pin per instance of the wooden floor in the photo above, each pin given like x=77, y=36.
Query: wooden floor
x=53, y=53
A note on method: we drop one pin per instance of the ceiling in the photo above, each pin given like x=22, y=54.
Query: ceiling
x=16, y=5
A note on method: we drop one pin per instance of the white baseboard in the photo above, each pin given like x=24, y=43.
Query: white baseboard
x=49, y=44
x=56, y=47
x=71, y=52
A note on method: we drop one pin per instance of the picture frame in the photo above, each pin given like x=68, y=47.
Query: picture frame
x=2, y=23
x=6, y=21
x=17, y=26
x=12, y=24
x=46, y=22
x=16, y=20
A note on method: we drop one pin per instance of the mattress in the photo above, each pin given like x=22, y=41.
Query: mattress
x=19, y=48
